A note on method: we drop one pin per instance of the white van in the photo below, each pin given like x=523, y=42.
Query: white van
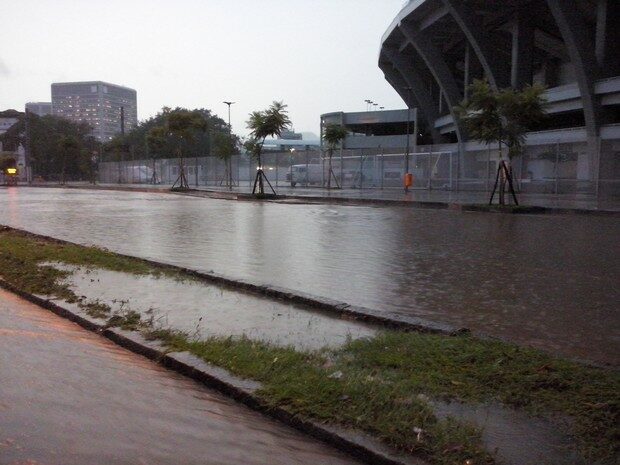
x=305, y=174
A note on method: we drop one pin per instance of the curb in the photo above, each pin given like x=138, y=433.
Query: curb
x=342, y=309
x=358, y=445
x=420, y=204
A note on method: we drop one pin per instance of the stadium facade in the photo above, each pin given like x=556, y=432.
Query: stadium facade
x=434, y=49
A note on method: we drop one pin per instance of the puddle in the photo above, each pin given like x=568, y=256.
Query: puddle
x=514, y=437
x=224, y=312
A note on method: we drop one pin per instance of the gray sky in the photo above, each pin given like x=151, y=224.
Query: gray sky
x=315, y=55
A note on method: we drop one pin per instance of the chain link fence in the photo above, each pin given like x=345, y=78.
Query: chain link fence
x=559, y=168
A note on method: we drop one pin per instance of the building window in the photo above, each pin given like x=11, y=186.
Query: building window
x=93, y=88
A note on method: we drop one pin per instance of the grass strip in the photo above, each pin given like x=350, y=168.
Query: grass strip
x=378, y=385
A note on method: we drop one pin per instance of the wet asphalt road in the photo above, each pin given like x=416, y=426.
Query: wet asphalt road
x=541, y=280
x=68, y=396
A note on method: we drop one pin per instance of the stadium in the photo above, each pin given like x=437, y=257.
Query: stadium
x=434, y=49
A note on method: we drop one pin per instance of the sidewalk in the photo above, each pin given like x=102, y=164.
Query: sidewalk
x=464, y=200
x=71, y=397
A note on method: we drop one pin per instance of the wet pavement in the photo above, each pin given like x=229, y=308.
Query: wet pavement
x=68, y=396
x=545, y=281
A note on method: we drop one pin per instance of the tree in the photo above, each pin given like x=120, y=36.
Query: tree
x=45, y=152
x=69, y=151
x=333, y=134
x=201, y=145
x=180, y=126
x=504, y=117
x=262, y=124
x=225, y=147
x=155, y=141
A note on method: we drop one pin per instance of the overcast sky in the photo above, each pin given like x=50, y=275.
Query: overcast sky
x=315, y=55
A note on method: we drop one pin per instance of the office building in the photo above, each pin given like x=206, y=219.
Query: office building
x=100, y=104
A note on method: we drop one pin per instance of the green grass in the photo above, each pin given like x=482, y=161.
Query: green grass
x=377, y=385
x=382, y=378
x=26, y=261
x=22, y=256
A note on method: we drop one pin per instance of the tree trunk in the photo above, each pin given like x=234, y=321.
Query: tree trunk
x=329, y=171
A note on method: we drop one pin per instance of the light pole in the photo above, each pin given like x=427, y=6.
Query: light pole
x=229, y=161
x=408, y=89
x=367, y=103
x=375, y=105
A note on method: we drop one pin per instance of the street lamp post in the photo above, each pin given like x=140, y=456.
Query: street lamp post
x=229, y=161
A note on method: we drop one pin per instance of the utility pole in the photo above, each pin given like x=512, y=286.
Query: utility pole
x=229, y=161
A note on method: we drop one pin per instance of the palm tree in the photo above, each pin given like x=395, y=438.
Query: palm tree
x=333, y=134
x=504, y=117
x=262, y=124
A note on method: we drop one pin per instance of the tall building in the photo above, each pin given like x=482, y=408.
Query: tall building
x=39, y=108
x=97, y=103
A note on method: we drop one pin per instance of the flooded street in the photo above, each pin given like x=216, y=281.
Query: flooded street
x=546, y=281
x=69, y=396
x=205, y=310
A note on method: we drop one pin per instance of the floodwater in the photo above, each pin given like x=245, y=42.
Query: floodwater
x=545, y=281
x=515, y=437
x=203, y=310
x=68, y=396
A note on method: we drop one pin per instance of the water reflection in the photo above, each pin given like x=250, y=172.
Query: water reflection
x=548, y=281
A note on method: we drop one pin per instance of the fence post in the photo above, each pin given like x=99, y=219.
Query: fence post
x=450, y=171
x=458, y=165
x=341, y=167
x=322, y=168
x=556, y=167
x=306, y=184
x=430, y=155
x=361, y=169
x=382, y=167
x=488, y=168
